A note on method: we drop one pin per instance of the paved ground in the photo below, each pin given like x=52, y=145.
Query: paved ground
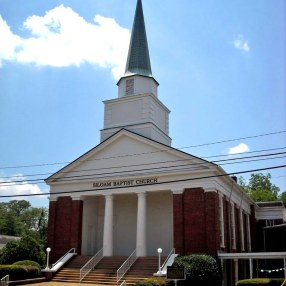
x=60, y=284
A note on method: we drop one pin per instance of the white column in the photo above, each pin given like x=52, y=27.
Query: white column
x=242, y=229
x=250, y=268
x=248, y=235
x=236, y=270
x=141, y=225
x=108, y=227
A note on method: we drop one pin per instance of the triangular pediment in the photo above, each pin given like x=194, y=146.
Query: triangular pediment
x=126, y=155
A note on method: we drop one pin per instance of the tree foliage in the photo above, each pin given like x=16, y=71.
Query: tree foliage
x=282, y=197
x=19, y=218
x=200, y=269
x=27, y=248
x=260, y=187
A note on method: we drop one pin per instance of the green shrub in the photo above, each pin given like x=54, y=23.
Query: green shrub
x=200, y=269
x=28, y=263
x=260, y=281
x=149, y=282
x=256, y=281
x=19, y=272
x=27, y=248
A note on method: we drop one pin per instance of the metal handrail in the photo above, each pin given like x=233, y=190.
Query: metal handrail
x=123, y=283
x=126, y=266
x=70, y=251
x=284, y=283
x=90, y=264
x=5, y=281
x=171, y=252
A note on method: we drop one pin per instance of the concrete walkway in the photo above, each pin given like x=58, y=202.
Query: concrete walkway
x=62, y=284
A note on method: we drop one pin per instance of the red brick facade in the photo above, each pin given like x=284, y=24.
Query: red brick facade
x=196, y=222
x=65, y=226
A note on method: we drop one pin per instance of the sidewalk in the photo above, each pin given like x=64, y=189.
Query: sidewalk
x=62, y=284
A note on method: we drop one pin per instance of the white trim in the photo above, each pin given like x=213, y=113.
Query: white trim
x=242, y=229
x=248, y=233
x=252, y=255
x=233, y=227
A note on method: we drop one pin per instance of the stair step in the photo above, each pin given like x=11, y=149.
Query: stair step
x=105, y=272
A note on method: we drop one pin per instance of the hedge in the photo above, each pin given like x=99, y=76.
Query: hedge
x=19, y=272
x=260, y=281
x=150, y=282
x=201, y=269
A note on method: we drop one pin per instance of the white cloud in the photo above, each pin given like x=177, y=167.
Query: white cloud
x=240, y=148
x=63, y=38
x=9, y=187
x=8, y=42
x=241, y=43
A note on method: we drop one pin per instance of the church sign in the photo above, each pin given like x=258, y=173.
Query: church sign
x=125, y=183
x=176, y=273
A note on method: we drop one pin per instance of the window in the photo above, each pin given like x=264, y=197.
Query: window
x=129, y=86
x=270, y=222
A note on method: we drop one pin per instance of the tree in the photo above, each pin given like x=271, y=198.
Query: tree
x=27, y=248
x=260, y=188
x=18, y=218
x=18, y=207
x=282, y=197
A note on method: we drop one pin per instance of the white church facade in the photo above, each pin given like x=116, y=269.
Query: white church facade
x=133, y=191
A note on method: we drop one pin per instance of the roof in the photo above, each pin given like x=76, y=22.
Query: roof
x=270, y=204
x=110, y=139
x=138, y=61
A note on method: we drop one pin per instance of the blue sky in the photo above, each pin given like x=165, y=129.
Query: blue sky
x=221, y=66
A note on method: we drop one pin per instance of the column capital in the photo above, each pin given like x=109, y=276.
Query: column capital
x=108, y=195
x=141, y=194
x=177, y=191
x=210, y=190
x=76, y=198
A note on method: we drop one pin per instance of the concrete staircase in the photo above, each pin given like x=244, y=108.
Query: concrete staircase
x=106, y=270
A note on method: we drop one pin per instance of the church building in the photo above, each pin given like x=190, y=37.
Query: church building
x=134, y=191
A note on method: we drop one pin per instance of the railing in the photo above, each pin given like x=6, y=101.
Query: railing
x=90, y=264
x=70, y=251
x=4, y=281
x=171, y=253
x=125, y=267
x=284, y=283
x=123, y=283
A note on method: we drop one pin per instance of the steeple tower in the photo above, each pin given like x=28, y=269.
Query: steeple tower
x=137, y=107
x=138, y=61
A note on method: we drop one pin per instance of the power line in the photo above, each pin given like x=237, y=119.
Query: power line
x=148, y=170
x=159, y=183
x=163, y=162
x=137, y=154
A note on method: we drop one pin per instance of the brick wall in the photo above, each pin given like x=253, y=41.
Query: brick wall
x=65, y=225
x=196, y=222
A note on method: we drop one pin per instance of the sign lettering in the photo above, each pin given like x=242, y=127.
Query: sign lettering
x=124, y=183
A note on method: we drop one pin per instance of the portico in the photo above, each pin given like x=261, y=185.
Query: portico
x=121, y=223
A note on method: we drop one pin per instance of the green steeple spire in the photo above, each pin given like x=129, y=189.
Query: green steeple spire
x=138, y=61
